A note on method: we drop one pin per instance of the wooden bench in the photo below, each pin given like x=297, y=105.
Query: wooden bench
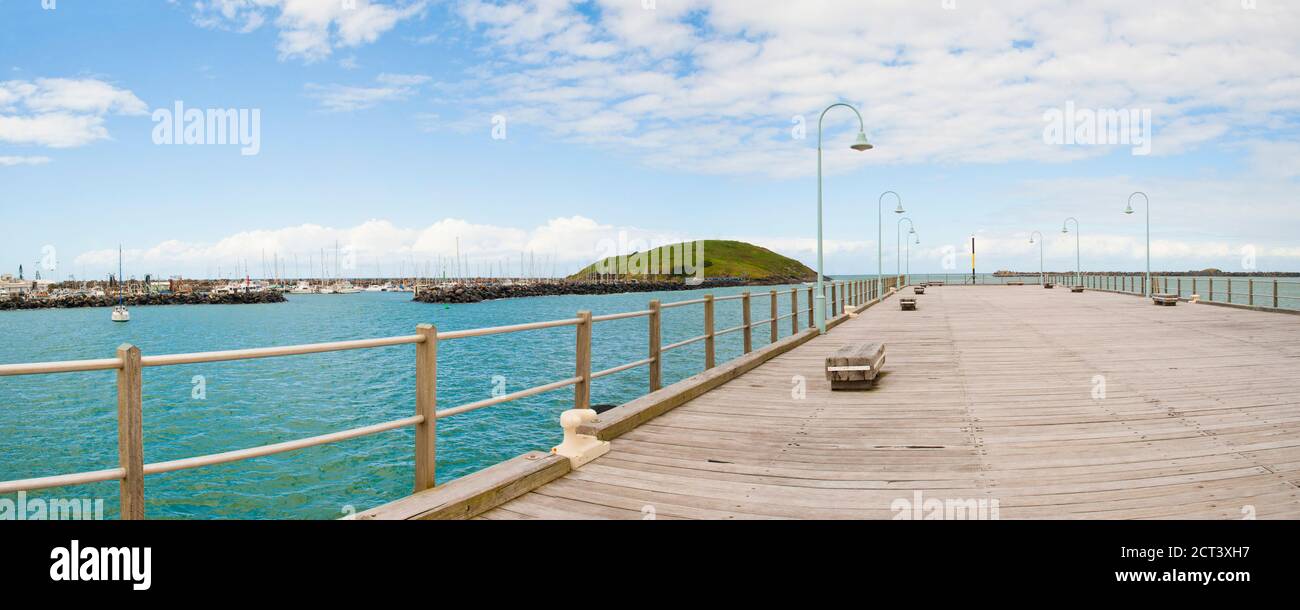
x=919, y=289
x=1076, y=289
x=1164, y=299
x=854, y=367
x=1047, y=285
x=907, y=303
x=1015, y=283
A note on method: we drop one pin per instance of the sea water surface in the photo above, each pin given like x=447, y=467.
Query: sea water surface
x=66, y=423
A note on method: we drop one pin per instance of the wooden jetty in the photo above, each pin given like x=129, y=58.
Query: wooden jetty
x=1056, y=405
x=1039, y=404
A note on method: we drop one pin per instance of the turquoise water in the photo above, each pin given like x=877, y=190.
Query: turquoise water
x=56, y=424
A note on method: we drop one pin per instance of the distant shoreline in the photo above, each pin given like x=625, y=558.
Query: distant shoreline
x=491, y=291
x=78, y=302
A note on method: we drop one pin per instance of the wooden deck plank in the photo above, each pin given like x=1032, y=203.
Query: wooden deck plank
x=988, y=393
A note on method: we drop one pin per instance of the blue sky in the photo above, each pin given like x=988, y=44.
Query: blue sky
x=655, y=121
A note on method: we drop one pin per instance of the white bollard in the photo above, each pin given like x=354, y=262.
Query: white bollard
x=579, y=448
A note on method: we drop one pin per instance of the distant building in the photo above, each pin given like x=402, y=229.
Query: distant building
x=12, y=286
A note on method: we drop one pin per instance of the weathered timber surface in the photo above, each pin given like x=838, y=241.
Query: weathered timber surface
x=992, y=393
x=855, y=366
x=475, y=493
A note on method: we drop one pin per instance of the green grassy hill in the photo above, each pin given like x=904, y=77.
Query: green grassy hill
x=722, y=259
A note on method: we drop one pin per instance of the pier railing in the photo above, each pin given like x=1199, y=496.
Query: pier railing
x=130, y=364
x=1249, y=291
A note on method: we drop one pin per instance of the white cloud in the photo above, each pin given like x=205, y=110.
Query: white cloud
x=402, y=80
x=711, y=85
x=238, y=15
x=346, y=98
x=1277, y=160
x=567, y=244
x=61, y=112
x=85, y=95
x=427, y=122
x=53, y=130
x=310, y=30
x=9, y=161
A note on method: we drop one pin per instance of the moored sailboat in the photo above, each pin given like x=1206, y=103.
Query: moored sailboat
x=120, y=313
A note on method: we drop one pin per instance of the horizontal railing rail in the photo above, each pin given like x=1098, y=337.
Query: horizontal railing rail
x=1250, y=291
x=129, y=364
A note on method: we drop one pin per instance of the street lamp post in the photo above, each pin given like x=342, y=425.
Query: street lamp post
x=880, y=221
x=1065, y=228
x=908, y=269
x=898, y=242
x=861, y=144
x=1042, y=281
x=1128, y=209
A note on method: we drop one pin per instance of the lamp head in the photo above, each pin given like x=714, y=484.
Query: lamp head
x=1031, y=239
x=1065, y=229
x=912, y=230
x=899, y=209
x=861, y=144
x=1128, y=209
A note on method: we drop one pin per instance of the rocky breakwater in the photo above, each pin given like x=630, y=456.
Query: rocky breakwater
x=239, y=298
x=474, y=293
